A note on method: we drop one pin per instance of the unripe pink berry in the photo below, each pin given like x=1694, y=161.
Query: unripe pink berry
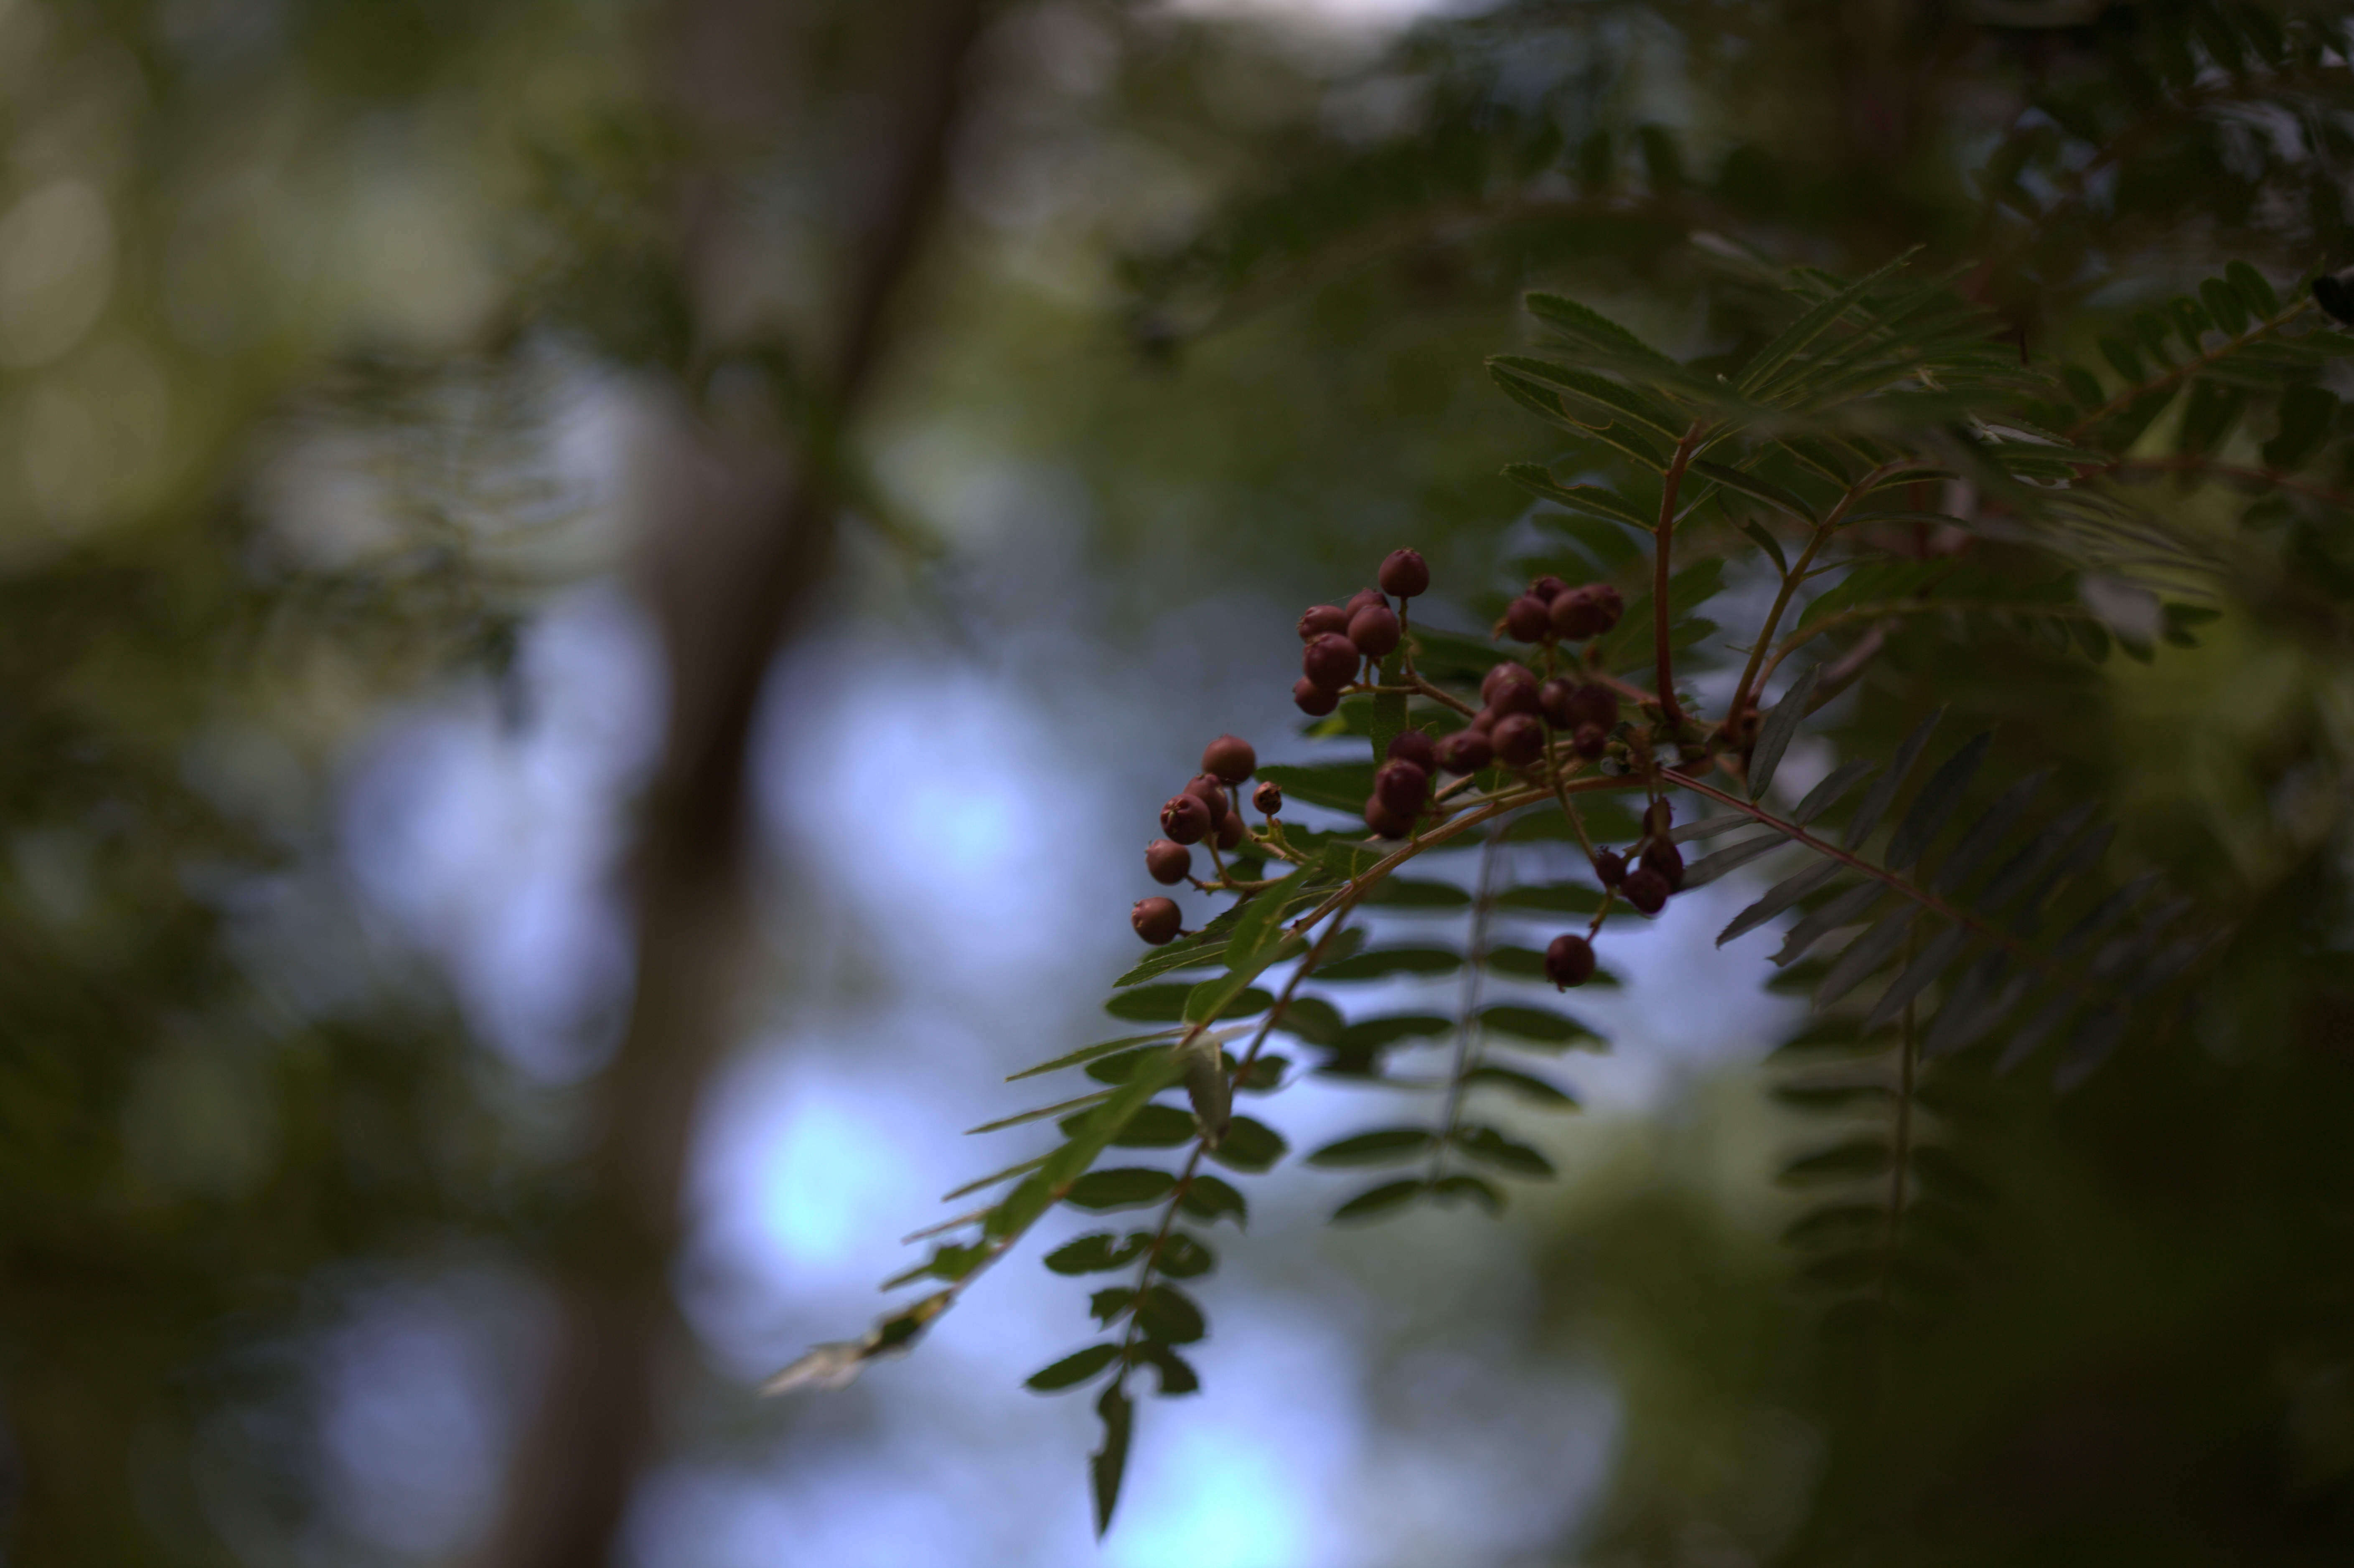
x=1313, y=700
x=1415, y=747
x=1507, y=671
x=1402, y=786
x=1320, y=618
x=1525, y=620
x=1609, y=867
x=1385, y=822
x=1465, y=751
x=1646, y=889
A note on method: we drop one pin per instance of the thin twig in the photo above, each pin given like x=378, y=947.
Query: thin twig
x=1662, y=566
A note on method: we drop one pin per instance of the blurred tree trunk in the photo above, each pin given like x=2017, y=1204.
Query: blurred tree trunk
x=748, y=538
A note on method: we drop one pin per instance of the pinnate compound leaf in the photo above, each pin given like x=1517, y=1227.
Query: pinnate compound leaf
x=1488, y=1145
x=1108, y=1464
x=1040, y=1113
x=1732, y=857
x=1778, y=729
x=1072, y=1371
x=1249, y=1146
x=1210, y=1199
x=1111, y=1302
x=1148, y=1127
x=1780, y=896
x=1129, y=1187
x=1379, y=1200
x=1150, y=1004
x=1386, y=1146
x=1882, y=794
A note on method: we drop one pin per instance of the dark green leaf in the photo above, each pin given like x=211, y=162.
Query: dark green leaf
x=1227, y=997
x=1381, y=962
x=1565, y=899
x=1537, y=1023
x=1778, y=897
x=2250, y=286
x=1988, y=831
x=1526, y=1085
x=1249, y=1146
x=1467, y=1188
x=1843, y=1163
x=1488, y=1144
x=1838, y=1224
x=1588, y=327
x=1097, y=1253
x=1378, y=1200
x=1210, y=1199
x=1373, y=1033
x=1336, y=786
x=1708, y=868
x=1863, y=956
x=1926, y=966
x=1128, y=1186
x=1177, y=1374
x=1936, y=803
x=1183, y=1257
x=1150, y=1127
x=1882, y=794
x=1780, y=726
x=2030, y=861
x=1757, y=489
x=1073, y=1370
x=1109, y=1463
x=1385, y=1147
x=1844, y=910
x=1090, y=1053
x=1591, y=498
x=1828, y=793
x=1040, y=1114
x=2224, y=303
x=1150, y=1004
x=1165, y=1314
x=1109, y=1303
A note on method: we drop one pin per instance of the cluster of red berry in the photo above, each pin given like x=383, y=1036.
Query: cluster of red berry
x=1201, y=812
x=1341, y=638
x=1521, y=715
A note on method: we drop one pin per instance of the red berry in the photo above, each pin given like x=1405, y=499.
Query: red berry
x=1331, y=661
x=1363, y=598
x=1484, y=721
x=1415, y=747
x=1404, y=573
x=1657, y=818
x=1465, y=751
x=1204, y=789
x=1168, y=862
x=1569, y=961
x=1575, y=617
x=1268, y=798
x=1402, y=786
x=1525, y=620
x=1230, y=830
x=1186, y=817
x=1593, y=703
x=1229, y=757
x=1552, y=701
x=1374, y=630
x=1669, y=862
x=1609, y=867
x=1589, y=740
x=1321, y=619
x=1385, y=822
x=1516, y=696
x=1313, y=700
x=1548, y=589
x=1607, y=601
x=1646, y=889
x=1155, y=919
x=1520, y=739
x=1507, y=671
